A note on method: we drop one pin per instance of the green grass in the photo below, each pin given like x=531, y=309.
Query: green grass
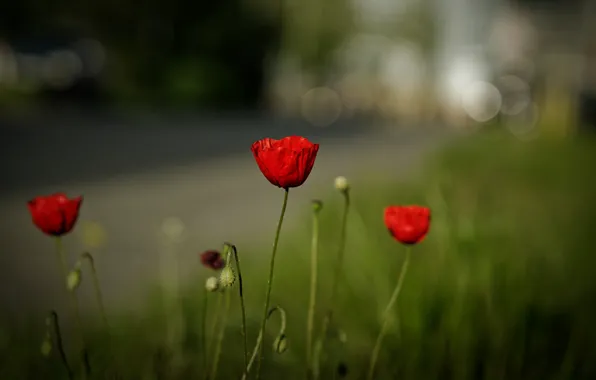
x=502, y=288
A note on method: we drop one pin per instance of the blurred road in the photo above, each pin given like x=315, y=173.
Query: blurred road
x=136, y=171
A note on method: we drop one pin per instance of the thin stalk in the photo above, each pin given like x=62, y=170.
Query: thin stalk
x=386, y=314
x=97, y=288
x=241, y=293
x=75, y=307
x=220, y=337
x=336, y=275
x=213, y=328
x=204, y=329
x=59, y=343
x=282, y=331
x=313, y=289
x=270, y=279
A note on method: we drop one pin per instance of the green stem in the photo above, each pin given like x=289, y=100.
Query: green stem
x=270, y=279
x=337, y=272
x=97, y=288
x=75, y=306
x=241, y=292
x=59, y=343
x=204, y=329
x=313, y=289
x=213, y=328
x=220, y=337
x=282, y=331
x=386, y=314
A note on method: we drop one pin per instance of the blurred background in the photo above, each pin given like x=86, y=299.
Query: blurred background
x=404, y=60
x=148, y=109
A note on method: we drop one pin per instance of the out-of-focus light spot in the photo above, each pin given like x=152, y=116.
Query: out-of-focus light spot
x=403, y=66
x=321, y=106
x=360, y=52
x=61, y=68
x=8, y=66
x=94, y=54
x=29, y=68
x=173, y=228
x=481, y=101
x=356, y=93
x=93, y=235
x=461, y=73
x=516, y=94
x=524, y=125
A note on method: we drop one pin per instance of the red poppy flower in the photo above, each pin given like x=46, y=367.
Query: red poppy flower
x=287, y=162
x=55, y=214
x=407, y=224
x=212, y=259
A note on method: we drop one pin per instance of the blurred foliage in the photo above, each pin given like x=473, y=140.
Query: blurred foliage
x=502, y=288
x=185, y=52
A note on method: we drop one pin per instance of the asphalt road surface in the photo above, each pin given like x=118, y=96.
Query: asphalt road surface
x=135, y=172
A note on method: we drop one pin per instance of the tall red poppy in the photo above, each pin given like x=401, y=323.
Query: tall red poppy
x=407, y=224
x=287, y=162
x=55, y=214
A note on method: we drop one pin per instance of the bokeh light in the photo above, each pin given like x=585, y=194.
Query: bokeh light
x=321, y=106
x=481, y=101
x=93, y=235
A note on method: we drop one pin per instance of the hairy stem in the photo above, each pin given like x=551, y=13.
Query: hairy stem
x=313, y=289
x=75, y=307
x=97, y=288
x=220, y=337
x=337, y=272
x=270, y=279
x=386, y=314
x=59, y=343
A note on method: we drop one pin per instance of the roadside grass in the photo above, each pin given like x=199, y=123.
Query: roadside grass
x=502, y=288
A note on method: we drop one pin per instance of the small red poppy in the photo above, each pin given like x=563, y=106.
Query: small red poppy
x=55, y=214
x=212, y=259
x=407, y=224
x=287, y=162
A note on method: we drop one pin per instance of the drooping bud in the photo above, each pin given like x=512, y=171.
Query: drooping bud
x=280, y=345
x=317, y=205
x=341, y=184
x=212, y=259
x=212, y=284
x=227, y=277
x=73, y=280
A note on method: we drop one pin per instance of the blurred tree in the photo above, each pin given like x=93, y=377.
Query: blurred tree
x=158, y=49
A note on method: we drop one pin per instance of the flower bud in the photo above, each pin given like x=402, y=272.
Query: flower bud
x=280, y=345
x=73, y=280
x=227, y=277
x=341, y=184
x=317, y=205
x=46, y=347
x=212, y=284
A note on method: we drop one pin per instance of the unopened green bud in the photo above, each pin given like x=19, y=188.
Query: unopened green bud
x=212, y=284
x=280, y=345
x=227, y=277
x=46, y=347
x=342, y=184
x=73, y=280
x=317, y=205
